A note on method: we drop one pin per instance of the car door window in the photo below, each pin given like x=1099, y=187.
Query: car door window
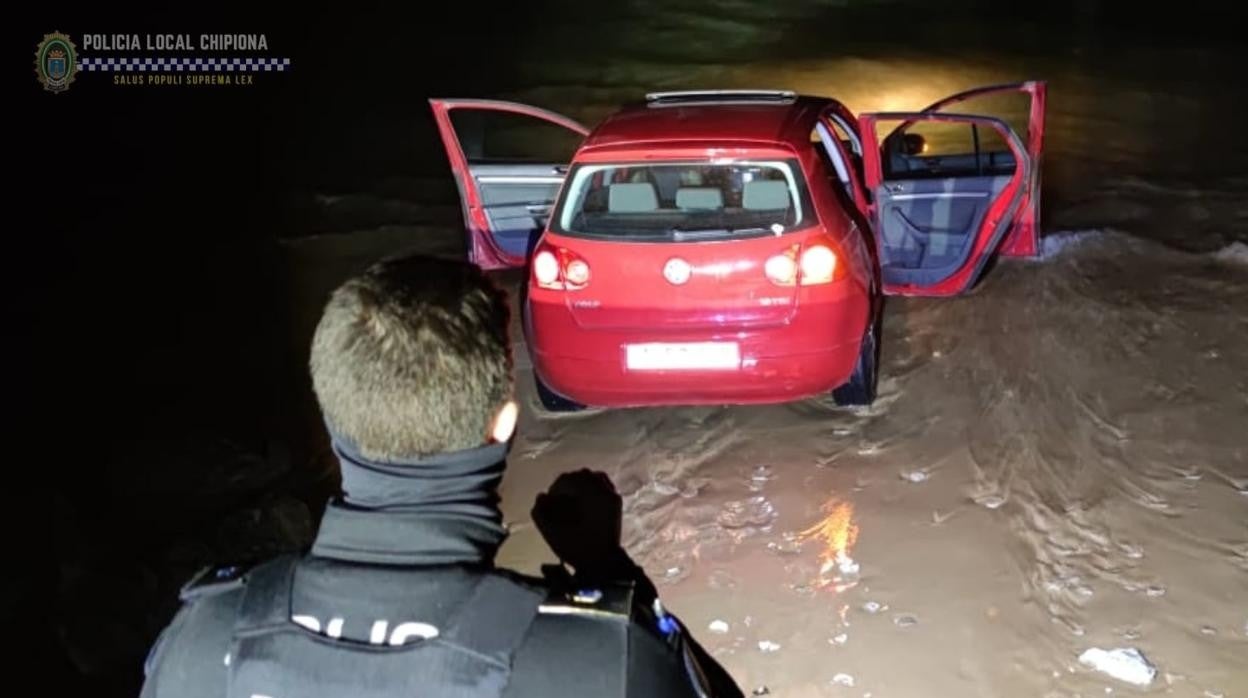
x=501, y=138
x=832, y=157
x=847, y=135
x=939, y=149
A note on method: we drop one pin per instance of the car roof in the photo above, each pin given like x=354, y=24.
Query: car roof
x=761, y=117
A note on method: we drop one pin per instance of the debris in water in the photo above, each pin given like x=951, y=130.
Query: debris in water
x=768, y=646
x=992, y=501
x=846, y=565
x=843, y=679
x=915, y=475
x=755, y=511
x=1208, y=630
x=671, y=573
x=762, y=691
x=1155, y=591
x=718, y=626
x=874, y=607
x=905, y=620
x=784, y=548
x=840, y=639
x=1124, y=664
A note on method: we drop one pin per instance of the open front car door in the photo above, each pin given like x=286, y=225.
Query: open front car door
x=946, y=190
x=509, y=161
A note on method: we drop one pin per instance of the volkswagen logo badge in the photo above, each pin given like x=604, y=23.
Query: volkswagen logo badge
x=677, y=270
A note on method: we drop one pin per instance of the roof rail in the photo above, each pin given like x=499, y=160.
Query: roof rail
x=720, y=96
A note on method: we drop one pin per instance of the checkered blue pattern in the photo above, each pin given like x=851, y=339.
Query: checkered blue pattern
x=184, y=65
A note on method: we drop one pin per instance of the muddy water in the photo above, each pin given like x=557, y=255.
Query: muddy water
x=1056, y=462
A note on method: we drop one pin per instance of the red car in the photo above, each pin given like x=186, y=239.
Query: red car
x=723, y=247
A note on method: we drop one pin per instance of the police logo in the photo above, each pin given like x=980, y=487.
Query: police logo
x=56, y=62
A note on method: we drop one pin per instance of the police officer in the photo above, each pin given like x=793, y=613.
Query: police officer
x=398, y=595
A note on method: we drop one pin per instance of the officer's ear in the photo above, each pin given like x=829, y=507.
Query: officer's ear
x=504, y=424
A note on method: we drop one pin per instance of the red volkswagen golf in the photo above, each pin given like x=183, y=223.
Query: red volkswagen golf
x=734, y=247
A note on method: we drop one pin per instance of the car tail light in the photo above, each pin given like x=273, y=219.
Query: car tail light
x=818, y=265
x=782, y=268
x=815, y=264
x=559, y=269
x=577, y=272
x=546, y=270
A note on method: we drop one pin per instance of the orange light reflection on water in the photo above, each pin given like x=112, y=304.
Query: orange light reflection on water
x=838, y=533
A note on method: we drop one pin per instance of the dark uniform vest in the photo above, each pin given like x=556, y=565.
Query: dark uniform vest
x=273, y=656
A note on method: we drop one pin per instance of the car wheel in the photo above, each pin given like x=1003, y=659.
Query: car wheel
x=552, y=401
x=860, y=388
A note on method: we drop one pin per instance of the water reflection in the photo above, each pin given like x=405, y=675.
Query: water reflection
x=838, y=532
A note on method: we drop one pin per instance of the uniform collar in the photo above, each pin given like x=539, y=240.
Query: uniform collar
x=431, y=510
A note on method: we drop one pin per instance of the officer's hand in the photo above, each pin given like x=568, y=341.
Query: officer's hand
x=580, y=519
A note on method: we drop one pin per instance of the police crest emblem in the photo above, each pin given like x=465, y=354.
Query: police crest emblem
x=56, y=62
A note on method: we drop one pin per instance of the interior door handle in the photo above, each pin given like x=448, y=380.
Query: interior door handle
x=560, y=169
x=538, y=209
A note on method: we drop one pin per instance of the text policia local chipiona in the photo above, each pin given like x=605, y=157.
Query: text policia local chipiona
x=175, y=42
x=193, y=80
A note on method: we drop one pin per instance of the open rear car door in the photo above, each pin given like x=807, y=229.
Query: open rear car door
x=951, y=190
x=509, y=161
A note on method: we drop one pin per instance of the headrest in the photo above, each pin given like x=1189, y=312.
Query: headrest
x=699, y=198
x=765, y=195
x=632, y=197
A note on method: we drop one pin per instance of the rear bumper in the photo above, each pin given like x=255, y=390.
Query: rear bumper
x=810, y=355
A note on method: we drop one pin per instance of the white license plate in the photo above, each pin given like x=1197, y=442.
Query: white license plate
x=687, y=356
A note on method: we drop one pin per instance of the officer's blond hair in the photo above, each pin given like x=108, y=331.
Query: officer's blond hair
x=412, y=358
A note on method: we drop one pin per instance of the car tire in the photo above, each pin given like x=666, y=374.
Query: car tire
x=860, y=389
x=552, y=401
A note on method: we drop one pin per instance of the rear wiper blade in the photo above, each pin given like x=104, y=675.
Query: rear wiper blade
x=696, y=233
x=699, y=233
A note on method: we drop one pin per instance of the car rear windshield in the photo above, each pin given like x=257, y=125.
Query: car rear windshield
x=683, y=201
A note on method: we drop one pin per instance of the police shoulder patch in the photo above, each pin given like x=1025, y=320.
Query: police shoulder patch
x=214, y=579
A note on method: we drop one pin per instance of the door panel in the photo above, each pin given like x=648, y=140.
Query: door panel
x=517, y=201
x=939, y=212
x=928, y=225
x=509, y=161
